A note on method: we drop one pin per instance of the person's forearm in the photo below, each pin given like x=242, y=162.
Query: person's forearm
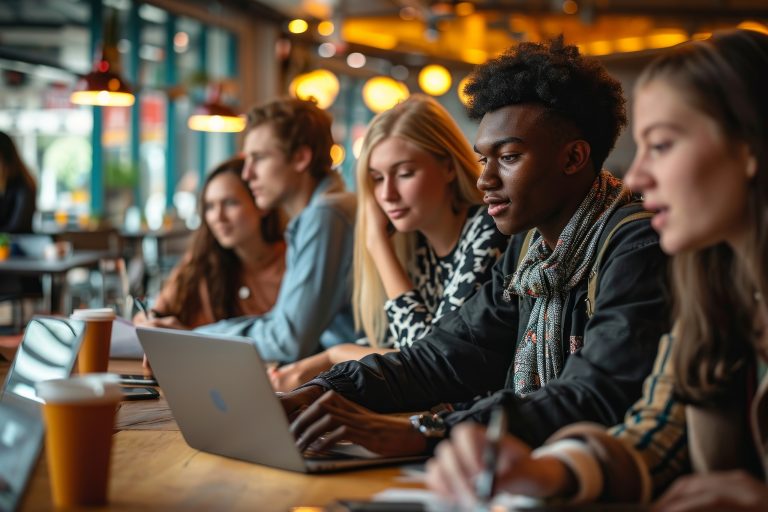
x=350, y=352
x=393, y=276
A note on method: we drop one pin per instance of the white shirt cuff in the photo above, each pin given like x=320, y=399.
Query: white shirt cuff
x=585, y=467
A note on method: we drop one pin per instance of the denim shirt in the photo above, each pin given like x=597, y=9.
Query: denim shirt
x=313, y=308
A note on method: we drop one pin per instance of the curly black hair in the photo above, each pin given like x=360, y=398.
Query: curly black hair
x=557, y=77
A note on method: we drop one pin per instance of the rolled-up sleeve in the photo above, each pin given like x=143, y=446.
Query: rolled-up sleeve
x=315, y=289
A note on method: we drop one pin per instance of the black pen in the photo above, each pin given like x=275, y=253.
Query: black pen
x=142, y=307
x=486, y=480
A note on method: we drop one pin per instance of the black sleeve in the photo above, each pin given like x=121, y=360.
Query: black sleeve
x=467, y=354
x=602, y=380
x=19, y=217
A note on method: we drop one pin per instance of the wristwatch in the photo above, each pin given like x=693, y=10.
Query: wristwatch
x=430, y=425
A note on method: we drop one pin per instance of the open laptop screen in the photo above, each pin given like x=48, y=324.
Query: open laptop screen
x=48, y=351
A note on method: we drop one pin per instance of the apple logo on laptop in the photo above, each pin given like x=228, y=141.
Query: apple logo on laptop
x=218, y=400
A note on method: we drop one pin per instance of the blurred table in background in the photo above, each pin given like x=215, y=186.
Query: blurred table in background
x=158, y=250
x=52, y=273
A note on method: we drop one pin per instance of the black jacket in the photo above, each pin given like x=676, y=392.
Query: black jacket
x=17, y=206
x=469, y=353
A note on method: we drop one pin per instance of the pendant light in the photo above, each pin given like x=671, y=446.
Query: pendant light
x=104, y=85
x=214, y=116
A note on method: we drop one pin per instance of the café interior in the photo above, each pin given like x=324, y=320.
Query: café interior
x=119, y=109
x=124, y=179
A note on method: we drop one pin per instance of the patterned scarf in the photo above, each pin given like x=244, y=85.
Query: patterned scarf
x=548, y=275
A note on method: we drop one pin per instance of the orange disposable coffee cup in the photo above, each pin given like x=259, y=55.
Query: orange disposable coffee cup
x=94, y=350
x=79, y=418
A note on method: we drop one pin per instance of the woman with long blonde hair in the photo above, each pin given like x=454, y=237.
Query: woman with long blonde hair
x=423, y=241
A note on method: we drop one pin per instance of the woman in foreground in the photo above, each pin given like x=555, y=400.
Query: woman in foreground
x=701, y=127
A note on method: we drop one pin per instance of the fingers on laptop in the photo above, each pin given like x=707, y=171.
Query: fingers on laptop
x=332, y=417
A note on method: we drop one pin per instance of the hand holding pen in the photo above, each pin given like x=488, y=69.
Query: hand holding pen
x=149, y=314
x=485, y=483
x=479, y=462
x=153, y=318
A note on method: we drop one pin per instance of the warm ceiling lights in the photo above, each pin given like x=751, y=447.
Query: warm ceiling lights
x=325, y=28
x=463, y=98
x=570, y=7
x=337, y=155
x=214, y=116
x=320, y=85
x=434, y=79
x=381, y=93
x=104, y=86
x=297, y=26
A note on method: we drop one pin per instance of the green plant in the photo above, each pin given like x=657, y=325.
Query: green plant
x=5, y=240
x=119, y=174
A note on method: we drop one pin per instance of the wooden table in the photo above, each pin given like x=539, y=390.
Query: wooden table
x=153, y=468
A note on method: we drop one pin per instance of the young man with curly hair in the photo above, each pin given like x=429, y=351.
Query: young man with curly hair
x=528, y=340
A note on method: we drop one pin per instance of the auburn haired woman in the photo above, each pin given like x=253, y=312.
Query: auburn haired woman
x=236, y=259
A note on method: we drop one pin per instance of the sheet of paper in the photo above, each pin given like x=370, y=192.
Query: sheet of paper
x=125, y=343
x=433, y=502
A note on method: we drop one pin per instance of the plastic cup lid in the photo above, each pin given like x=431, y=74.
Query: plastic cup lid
x=93, y=314
x=91, y=388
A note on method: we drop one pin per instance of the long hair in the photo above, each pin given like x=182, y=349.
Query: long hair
x=208, y=262
x=11, y=165
x=425, y=123
x=726, y=79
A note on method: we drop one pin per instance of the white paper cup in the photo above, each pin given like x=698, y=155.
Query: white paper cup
x=94, y=350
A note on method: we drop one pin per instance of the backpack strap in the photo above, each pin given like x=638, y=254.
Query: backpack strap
x=524, y=247
x=628, y=213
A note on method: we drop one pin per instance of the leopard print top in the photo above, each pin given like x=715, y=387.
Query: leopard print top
x=443, y=284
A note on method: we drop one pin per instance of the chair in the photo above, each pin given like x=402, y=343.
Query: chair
x=19, y=289
x=108, y=286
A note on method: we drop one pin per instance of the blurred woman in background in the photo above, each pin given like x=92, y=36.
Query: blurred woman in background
x=17, y=190
x=235, y=261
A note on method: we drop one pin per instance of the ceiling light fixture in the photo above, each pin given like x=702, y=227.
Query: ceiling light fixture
x=104, y=85
x=214, y=116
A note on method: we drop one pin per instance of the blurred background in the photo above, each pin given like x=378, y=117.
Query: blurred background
x=141, y=163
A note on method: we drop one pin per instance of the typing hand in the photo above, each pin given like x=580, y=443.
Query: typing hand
x=333, y=418
x=291, y=376
x=299, y=399
x=718, y=491
x=457, y=463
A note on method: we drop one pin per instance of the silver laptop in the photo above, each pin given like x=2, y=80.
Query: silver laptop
x=221, y=398
x=48, y=351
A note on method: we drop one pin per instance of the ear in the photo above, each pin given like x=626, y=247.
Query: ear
x=576, y=156
x=301, y=159
x=450, y=171
x=751, y=166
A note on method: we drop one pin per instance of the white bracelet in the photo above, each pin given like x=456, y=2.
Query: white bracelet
x=579, y=459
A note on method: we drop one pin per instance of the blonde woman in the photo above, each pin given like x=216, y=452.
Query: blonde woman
x=423, y=241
